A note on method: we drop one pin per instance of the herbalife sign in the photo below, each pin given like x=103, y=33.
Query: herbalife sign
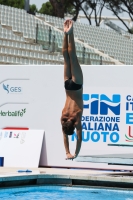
x=17, y=113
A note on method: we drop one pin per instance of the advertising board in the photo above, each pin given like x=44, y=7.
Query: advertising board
x=32, y=97
x=21, y=148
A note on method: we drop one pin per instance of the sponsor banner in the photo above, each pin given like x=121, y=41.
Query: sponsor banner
x=21, y=148
x=36, y=97
x=107, y=121
x=13, y=85
x=107, y=116
x=107, y=128
x=9, y=113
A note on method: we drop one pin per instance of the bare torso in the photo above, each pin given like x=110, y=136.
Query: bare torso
x=73, y=106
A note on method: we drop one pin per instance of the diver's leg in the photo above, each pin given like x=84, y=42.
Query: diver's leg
x=67, y=67
x=76, y=71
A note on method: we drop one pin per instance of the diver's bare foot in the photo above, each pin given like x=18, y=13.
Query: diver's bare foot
x=68, y=26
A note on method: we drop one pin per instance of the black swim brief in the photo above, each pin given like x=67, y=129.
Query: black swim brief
x=70, y=85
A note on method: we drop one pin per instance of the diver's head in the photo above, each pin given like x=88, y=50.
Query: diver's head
x=68, y=127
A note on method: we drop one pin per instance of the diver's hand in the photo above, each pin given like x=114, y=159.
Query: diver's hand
x=75, y=155
x=69, y=156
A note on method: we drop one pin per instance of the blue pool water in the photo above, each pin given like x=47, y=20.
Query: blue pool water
x=64, y=193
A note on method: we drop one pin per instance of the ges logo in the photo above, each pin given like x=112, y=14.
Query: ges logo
x=101, y=104
x=12, y=89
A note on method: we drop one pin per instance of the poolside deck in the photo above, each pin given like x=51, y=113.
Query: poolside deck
x=44, y=176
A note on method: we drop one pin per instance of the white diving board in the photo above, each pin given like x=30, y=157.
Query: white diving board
x=112, y=159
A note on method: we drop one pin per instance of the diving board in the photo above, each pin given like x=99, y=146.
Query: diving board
x=115, y=159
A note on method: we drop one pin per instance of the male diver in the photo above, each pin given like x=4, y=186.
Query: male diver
x=73, y=78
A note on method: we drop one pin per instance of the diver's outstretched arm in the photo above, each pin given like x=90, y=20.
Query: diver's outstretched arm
x=79, y=141
x=66, y=144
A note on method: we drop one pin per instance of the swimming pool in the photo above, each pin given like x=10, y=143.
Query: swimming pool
x=64, y=193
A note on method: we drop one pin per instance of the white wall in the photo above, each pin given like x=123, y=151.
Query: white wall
x=43, y=97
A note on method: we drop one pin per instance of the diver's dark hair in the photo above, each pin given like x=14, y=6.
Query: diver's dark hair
x=68, y=127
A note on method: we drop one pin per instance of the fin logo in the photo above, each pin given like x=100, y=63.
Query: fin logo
x=101, y=104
